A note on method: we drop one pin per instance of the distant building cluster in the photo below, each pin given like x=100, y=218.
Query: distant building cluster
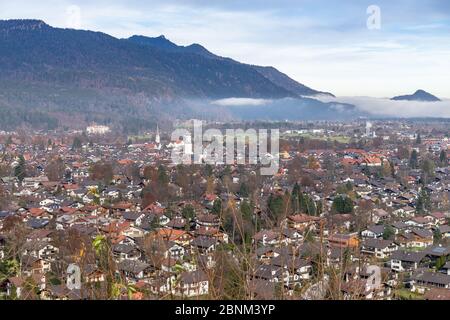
x=97, y=129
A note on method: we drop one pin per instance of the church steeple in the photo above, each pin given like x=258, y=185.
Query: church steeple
x=157, y=137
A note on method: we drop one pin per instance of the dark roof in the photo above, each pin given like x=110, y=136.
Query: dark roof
x=377, y=229
x=338, y=252
x=131, y=216
x=263, y=250
x=39, y=234
x=27, y=261
x=408, y=256
x=204, y=242
x=309, y=249
x=208, y=218
x=124, y=248
x=85, y=229
x=438, y=251
x=267, y=271
x=193, y=277
x=262, y=289
x=37, y=223
x=422, y=233
x=289, y=261
x=287, y=250
x=4, y=214
x=177, y=223
x=266, y=234
x=377, y=243
x=147, y=221
x=432, y=277
x=132, y=266
x=35, y=245
x=89, y=269
x=444, y=229
x=61, y=291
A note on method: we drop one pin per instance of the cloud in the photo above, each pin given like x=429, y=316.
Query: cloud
x=387, y=107
x=235, y=102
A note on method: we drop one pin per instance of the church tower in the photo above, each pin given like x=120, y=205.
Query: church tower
x=157, y=137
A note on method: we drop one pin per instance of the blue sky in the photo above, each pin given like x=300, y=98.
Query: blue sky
x=323, y=44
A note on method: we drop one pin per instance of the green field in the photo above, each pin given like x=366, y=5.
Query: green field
x=340, y=139
x=140, y=138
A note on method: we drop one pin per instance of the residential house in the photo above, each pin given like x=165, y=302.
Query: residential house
x=192, y=284
x=135, y=218
x=302, y=221
x=203, y=244
x=446, y=268
x=32, y=265
x=208, y=221
x=424, y=280
x=180, y=237
x=268, y=238
x=379, y=216
x=123, y=252
x=134, y=270
x=374, y=231
x=444, y=230
x=438, y=254
x=405, y=260
x=344, y=240
x=415, y=238
x=399, y=227
x=40, y=249
x=439, y=218
x=379, y=248
x=298, y=268
x=292, y=236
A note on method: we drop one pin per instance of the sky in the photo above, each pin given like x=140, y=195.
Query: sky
x=326, y=45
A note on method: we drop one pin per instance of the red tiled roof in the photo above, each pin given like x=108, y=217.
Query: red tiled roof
x=36, y=211
x=210, y=197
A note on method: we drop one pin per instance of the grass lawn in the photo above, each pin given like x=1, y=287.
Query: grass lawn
x=415, y=249
x=406, y=294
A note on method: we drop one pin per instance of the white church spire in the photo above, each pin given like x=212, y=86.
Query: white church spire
x=157, y=137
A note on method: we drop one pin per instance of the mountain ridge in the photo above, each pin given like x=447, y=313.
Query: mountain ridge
x=419, y=95
x=108, y=61
x=269, y=72
x=73, y=77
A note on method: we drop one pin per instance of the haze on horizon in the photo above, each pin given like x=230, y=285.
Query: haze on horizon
x=323, y=44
